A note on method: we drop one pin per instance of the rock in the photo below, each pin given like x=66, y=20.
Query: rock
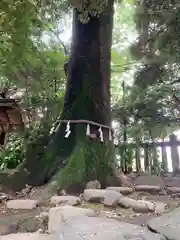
x=111, y=198
x=144, y=206
x=123, y=190
x=93, y=185
x=69, y=200
x=126, y=202
x=28, y=236
x=98, y=228
x=156, y=207
x=138, y=206
x=31, y=224
x=148, y=188
x=61, y=192
x=150, y=180
x=7, y=227
x=26, y=190
x=6, y=197
x=44, y=217
x=173, y=189
x=94, y=195
x=22, y=204
x=40, y=222
x=159, y=208
x=58, y=215
x=43, y=193
x=168, y=224
x=162, y=193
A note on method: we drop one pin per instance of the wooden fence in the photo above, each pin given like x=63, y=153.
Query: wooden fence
x=150, y=156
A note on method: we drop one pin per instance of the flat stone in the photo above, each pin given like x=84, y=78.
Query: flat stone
x=22, y=204
x=98, y=228
x=144, y=206
x=148, y=188
x=58, y=215
x=150, y=180
x=137, y=205
x=123, y=190
x=156, y=207
x=94, y=195
x=159, y=208
x=68, y=200
x=127, y=202
x=28, y=236
x=173, y=189
x=111, y=198
x=168, y=224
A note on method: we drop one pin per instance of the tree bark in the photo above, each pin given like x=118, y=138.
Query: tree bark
x=87, y=97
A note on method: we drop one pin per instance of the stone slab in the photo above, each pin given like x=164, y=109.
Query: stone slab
x=97, y=228
x=167, y=224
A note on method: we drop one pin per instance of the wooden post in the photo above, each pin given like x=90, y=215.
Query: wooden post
x=174, y=154
x=164, y=158
x=137, y=157
x=122, y=154
x=154, y=156
x=146, y=157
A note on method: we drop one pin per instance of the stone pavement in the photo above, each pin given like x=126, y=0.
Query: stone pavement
x=64, y=220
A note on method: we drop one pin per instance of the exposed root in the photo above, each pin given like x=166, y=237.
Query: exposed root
x=118, y=173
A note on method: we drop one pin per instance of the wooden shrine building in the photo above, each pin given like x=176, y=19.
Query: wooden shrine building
x=10, y=118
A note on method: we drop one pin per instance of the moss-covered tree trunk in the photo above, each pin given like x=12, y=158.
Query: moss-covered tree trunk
x=87, y=97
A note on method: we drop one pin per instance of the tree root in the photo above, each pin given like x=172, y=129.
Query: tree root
x=120, y=176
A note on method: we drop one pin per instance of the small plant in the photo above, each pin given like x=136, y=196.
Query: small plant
x=13, y=154
x=126, y=157
x=157, y=169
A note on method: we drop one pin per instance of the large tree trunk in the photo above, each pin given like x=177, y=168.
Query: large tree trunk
x=87, y=97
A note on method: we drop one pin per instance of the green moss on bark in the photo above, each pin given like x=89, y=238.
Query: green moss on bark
x=88, y=161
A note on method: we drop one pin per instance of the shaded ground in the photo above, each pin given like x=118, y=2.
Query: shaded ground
x=20, y=220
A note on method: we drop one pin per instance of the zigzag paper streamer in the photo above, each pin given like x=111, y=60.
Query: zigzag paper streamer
x=68, y=131
x=88, y=130
x=110, y=135
x=101, y=134
x=116, y=142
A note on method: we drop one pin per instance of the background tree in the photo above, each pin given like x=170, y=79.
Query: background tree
x=152, y=102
